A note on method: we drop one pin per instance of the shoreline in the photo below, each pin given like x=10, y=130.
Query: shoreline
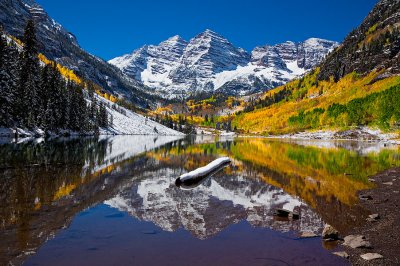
x=359, y=134
x=382, y=231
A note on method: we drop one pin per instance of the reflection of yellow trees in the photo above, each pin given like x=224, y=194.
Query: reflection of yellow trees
x=63, y=191
x=309, y=172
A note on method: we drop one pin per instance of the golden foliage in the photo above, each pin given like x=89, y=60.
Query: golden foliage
x=310, y=95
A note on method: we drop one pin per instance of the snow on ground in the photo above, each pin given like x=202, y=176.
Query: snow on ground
x=124, y=123
x=214, y=132
x=362, y=134
x=130, y=123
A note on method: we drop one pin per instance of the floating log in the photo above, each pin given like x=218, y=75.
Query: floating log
x=197, y=176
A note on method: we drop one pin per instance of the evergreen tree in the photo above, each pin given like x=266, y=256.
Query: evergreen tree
x=27, y=89
x=8, y=77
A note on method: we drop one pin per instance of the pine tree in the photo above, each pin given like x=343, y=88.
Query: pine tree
x=27, y=104
x=8, y=80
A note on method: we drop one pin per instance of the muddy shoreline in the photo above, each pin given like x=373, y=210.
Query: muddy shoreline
x=382, y=233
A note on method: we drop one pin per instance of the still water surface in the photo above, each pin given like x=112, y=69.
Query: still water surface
x=113, y=201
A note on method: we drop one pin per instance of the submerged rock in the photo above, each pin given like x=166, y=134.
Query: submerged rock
x=308, y=235
x=342, y=254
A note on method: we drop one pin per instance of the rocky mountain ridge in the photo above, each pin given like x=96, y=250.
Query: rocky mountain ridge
x=210, y=63
x=374, y=45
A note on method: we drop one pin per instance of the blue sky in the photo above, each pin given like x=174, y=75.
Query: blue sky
x=109, y=28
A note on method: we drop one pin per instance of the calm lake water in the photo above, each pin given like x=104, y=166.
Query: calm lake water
x=113, y=200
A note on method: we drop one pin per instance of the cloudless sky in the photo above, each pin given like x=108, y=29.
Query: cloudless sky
x=110, y=28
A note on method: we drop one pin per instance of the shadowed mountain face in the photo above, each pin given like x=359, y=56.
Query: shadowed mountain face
x=46, y=185
x=57, y=44
x=374, y=45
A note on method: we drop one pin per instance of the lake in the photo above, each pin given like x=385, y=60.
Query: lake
x=113, y=200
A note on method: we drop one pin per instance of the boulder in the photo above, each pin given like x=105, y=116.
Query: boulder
x=294, y=216
x=356, y=241
x=330, y=233
x=281, y=213
x=371, y=256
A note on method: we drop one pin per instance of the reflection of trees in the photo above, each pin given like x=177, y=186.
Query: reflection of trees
x=326, y=178
x=44, y=185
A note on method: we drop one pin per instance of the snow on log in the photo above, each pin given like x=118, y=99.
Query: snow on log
x=205, y=170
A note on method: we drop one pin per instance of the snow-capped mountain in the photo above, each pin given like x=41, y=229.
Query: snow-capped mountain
x=209, y=63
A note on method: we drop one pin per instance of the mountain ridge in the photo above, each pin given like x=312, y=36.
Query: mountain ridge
x=208, y=62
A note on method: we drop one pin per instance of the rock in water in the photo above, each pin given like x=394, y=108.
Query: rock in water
x=342, y=254
x=330, y=233
x=308, y=234
x=356, y=241
x=371, y=256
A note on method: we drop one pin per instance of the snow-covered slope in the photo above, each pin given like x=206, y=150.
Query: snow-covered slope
x=126, y=122
x=209, y=62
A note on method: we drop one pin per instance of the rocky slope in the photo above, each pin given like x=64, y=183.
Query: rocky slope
x=375, y=44
x=56, y=43
x=210, y=63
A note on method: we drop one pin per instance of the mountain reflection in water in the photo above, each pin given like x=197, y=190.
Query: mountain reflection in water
x=45, y=185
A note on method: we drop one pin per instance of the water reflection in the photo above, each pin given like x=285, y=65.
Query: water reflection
x=45, y=184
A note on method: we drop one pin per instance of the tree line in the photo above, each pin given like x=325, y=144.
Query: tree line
x=35, y=95
x=381, y=109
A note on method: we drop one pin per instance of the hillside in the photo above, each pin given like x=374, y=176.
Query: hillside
x=375, y=44
x=356, y=85
x=39, y=97
x=61, y=46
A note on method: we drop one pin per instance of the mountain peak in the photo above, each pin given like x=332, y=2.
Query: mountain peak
x=176, y=38
x=174, y=41
x=211, y=34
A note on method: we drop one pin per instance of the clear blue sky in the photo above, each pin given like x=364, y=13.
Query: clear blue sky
x=109, y=28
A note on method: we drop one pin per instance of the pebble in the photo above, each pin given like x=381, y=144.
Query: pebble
x=374, y=216
x=388, y=183
x=371, y=256
x=365, y=197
